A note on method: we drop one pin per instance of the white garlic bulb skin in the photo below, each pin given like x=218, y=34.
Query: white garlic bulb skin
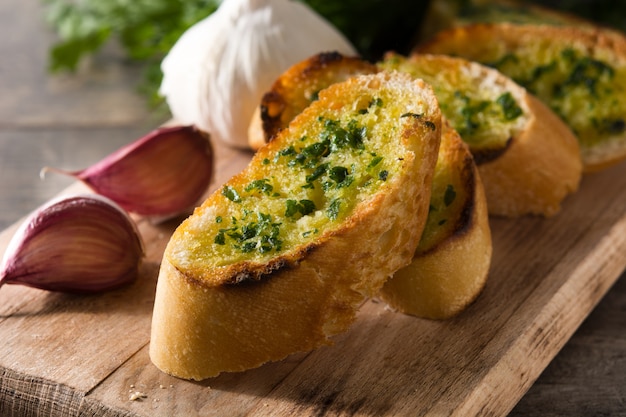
x=217, y=72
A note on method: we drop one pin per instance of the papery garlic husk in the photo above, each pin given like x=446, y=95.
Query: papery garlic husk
x=162, y=174
x=77, y=244
x=217, y=72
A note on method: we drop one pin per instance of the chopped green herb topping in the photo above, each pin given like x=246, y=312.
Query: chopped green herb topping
x=585, y=72
x=328, y=163
x=261, y=235
x=285, y=152
x=220, y=239
x=538, y=72
x=231, y=194
x=510, y=109
x=611, y=127
x=375, y=102
x=571, y=83
x=375, y=161
x=261, y=185
x=341, y=176
x=303, y=207
x=449, y=195
x=509, y=58
x=317, y=172
x=469, y=111
x=339, y=137
x=333, y=209
x=317, y=149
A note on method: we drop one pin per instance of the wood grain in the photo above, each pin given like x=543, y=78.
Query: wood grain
x=72, y=120
x=547, y=275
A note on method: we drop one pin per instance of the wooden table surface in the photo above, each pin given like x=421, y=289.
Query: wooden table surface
x=71, y=121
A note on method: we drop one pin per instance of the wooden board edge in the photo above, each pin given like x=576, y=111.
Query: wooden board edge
x=505, y=384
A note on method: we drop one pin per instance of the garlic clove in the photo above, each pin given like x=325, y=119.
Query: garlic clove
x=162, y=174
x=216, y=73
x=79, y=244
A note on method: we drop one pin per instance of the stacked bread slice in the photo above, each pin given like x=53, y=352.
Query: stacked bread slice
x=579, y=72
x=280, y=258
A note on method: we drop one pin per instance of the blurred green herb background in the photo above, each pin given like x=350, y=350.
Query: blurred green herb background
x=147, y=29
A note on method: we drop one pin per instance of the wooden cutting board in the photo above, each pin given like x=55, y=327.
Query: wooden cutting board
x=66, y=355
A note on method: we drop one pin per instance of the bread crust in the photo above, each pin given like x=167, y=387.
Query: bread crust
x=206, y=321
x=294, y=89
x=482, y=42
x=448, y=274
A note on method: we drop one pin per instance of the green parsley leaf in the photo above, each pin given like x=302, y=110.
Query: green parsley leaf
x=333, y=209
x=261, y=185
x=510, y=108
x=231, y=194
x=449, y=195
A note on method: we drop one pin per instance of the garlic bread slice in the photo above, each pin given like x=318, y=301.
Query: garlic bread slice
x=451, y=263
x=528, y=159
x=279, y=259
x=579, y=72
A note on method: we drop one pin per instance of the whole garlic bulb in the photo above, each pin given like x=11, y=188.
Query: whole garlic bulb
x=217, y=72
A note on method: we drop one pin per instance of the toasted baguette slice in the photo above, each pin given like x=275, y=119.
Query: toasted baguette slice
x=528, y=159
x=451, y=263
x=580, y=73
x=279, y=259
x=297, y=87
x=457, y=224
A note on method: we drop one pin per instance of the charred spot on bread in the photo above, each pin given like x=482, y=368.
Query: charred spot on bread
x=482, y=156
x=464, y=221
x=300, y=85
x=251, y=275
x=322, y=60
x=272, y=106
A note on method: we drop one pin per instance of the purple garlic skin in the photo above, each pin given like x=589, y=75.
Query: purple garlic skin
x=77, y=244
x=162, y=174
